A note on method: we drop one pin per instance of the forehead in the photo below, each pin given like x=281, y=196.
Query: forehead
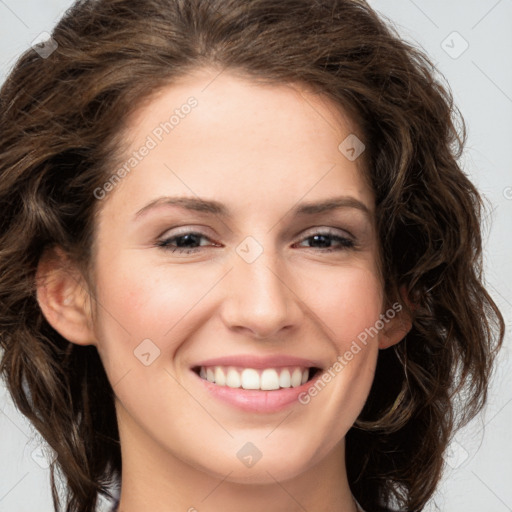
x=223, y=135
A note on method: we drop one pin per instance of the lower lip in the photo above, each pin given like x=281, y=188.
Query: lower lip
x=252, y=400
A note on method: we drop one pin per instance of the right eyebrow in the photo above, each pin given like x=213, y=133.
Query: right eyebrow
x=189, y=203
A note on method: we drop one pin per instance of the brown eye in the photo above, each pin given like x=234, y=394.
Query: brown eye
x=324, y=240
x=184, y=242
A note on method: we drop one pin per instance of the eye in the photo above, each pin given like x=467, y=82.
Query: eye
x=190, y=242
x=324, y=240
x=187, y=242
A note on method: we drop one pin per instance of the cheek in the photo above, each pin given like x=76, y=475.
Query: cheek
x=149, y=299
x=350, y=309
x=348, y=303
x=138, y=301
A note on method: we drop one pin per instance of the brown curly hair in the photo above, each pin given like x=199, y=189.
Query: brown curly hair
x=61, y=121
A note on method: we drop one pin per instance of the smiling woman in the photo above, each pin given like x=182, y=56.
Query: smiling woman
x=268, y=300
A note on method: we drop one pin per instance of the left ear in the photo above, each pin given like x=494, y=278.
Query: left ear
x=399, y=322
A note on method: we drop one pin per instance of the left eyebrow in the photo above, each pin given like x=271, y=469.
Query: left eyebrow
x=334, y=203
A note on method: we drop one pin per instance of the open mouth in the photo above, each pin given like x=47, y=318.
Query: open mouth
x=264, y=379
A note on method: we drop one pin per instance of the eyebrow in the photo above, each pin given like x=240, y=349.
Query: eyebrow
x=219, y=209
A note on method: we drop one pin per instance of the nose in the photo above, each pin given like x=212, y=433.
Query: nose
x=260, y=297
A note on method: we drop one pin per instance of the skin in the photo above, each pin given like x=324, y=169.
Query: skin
x=260, y=150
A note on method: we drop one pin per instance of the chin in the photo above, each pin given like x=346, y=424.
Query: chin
x=275, y=465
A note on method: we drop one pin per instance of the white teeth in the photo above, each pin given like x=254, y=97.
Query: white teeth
x=220, y=377
x=233, y=378
x=285, y=379
x=296, y=377
x=269, y=380
x=249, y=378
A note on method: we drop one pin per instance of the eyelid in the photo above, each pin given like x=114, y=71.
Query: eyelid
x=185, y=230
x=327, y=230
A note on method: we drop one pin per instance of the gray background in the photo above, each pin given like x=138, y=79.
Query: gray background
x=478, y=472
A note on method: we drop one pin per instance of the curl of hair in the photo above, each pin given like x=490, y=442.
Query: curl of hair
x=61, y=120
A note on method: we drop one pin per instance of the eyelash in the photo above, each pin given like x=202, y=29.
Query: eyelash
x=345, y=243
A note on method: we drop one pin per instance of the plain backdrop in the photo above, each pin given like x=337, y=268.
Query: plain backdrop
x=470, y=41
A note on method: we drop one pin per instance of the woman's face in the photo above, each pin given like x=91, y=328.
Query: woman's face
x=242, y=238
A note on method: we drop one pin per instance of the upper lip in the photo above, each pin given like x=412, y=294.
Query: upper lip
x=253, y=361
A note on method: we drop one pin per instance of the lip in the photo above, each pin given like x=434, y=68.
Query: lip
x=258, y=362
x=249, y=400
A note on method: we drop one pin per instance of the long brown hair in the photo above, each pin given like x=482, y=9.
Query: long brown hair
x=61, y=121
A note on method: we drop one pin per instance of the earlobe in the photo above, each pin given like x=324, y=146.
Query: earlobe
x=395, y=331
x=63, y=298
x=397, y=327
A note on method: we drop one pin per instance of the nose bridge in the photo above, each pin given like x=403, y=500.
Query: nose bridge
x=260, y=298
